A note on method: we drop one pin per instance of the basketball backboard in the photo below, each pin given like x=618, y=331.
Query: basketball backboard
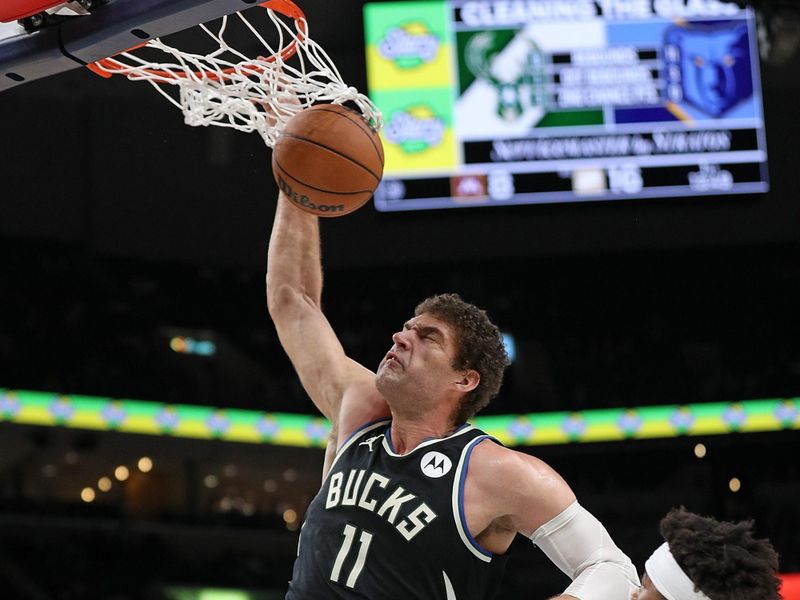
x=15, y=10
x=75, y=36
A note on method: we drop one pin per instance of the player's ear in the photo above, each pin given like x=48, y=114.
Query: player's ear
x=469, y=381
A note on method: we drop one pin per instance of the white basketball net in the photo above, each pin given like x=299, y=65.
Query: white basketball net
x=225, y=88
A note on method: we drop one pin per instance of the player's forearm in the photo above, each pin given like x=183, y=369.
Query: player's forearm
x=293, y=259
x=581, y=547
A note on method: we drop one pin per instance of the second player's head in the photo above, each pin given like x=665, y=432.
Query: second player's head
x=708, y=559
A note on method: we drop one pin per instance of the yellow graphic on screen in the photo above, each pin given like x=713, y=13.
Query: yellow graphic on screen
x=407, y=54
x=416, y=138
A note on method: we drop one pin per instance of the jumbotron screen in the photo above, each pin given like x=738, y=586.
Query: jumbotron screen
x=502, y=102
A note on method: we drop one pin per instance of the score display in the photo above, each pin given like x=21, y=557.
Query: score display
x=537, y=101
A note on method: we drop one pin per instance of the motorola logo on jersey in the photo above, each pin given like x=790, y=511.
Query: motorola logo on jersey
x=435, y=464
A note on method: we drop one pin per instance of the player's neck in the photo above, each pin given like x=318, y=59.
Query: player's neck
x=407, y=433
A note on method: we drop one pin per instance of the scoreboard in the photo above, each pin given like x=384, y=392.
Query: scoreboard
x=502, y=102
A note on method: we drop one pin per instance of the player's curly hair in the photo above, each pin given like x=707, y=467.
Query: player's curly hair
x=480, y=347
x=723, y=560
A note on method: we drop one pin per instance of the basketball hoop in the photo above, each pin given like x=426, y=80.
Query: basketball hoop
x=226, y=88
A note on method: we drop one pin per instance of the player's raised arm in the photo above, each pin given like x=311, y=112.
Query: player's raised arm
x=294, y=291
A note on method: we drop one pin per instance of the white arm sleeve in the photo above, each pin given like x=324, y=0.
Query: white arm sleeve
x=580, y=546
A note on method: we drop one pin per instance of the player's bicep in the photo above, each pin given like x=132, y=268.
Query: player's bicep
x=543, y=495
x=526, y=491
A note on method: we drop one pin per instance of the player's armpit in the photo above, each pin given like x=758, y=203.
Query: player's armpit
x=330, y=451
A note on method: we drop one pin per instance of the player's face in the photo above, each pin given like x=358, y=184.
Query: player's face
x=421, y=356
x=647, y=592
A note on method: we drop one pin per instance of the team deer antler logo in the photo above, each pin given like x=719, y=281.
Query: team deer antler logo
x=514, y=68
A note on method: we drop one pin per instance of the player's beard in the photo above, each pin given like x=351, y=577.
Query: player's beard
x=401, y=392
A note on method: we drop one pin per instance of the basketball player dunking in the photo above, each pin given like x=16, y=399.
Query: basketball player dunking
x=415, y=502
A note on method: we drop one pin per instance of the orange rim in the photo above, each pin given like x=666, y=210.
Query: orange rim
x=107, y=67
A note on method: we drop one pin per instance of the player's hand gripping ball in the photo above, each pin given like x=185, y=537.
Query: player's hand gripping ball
x=328, y=160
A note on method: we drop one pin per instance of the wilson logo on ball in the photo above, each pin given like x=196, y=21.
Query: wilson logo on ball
x=304, y=201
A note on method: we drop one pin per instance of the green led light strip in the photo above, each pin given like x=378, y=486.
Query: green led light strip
x=256, y=427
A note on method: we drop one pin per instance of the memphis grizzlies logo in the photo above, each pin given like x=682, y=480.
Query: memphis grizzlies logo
x=708, y=66
x=435, y=464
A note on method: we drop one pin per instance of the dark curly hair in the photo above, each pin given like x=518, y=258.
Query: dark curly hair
x=480, y=347
x=723, y=560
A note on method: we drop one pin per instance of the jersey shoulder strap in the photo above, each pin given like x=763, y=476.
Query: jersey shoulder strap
x=368, y=433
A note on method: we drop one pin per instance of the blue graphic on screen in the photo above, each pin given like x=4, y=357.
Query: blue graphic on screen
x=708, y=66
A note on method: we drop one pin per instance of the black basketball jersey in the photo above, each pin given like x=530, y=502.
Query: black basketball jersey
x=390, y=527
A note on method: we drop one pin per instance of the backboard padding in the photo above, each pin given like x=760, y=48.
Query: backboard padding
x=25, y=56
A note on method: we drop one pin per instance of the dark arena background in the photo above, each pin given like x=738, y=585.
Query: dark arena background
x=156, y=444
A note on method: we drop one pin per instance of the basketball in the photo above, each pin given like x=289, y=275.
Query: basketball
x=328, y=160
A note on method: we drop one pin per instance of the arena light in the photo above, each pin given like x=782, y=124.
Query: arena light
x=187, y=593
x=283, y=429
x=290, y=515
x=700, y=450
x=188, y=345
x=511, y=347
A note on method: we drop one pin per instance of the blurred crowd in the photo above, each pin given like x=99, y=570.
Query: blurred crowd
x=589, y=332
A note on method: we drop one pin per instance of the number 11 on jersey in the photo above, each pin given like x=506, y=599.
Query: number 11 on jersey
x=364, y=540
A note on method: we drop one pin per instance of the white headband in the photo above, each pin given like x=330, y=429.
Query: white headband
x=669, y=579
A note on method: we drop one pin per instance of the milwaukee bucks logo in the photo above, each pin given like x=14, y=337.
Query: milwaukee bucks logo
x=512, y=64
